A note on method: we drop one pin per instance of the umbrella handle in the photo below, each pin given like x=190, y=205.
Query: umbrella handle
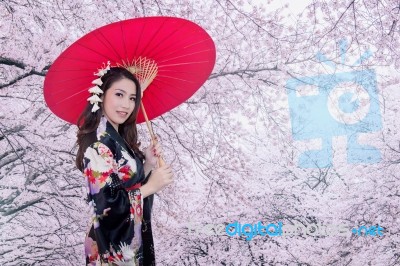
x=154, y=140
x=161, y=161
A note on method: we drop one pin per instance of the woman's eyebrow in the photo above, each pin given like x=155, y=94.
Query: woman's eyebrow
x=133, y=94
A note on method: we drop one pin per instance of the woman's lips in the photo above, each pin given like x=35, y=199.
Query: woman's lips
x=123, y=114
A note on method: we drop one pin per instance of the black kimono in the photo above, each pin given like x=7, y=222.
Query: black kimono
x=121, y=232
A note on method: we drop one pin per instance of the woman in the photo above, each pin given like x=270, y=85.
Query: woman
x=120, y=186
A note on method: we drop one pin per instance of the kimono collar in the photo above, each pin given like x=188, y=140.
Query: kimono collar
x=105, y=127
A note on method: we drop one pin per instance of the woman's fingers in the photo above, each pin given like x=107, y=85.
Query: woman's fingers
x=165, y=168
x=167, y=172
x=156, y=149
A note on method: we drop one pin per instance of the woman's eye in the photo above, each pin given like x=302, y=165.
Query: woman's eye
x=133, y=99
x=119, y=94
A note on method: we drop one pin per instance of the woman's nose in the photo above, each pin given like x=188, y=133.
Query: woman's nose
x=126, y=103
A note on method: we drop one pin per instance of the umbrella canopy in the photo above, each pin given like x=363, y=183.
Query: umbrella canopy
x=172, y=58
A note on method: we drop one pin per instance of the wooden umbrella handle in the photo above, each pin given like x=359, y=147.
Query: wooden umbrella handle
x=154, y=140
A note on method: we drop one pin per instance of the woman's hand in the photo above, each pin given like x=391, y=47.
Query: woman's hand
x=159, y=179
x=151, y=154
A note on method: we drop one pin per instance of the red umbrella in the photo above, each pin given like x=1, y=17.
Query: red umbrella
x=172, y=58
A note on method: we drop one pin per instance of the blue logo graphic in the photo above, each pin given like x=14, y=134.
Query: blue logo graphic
x=294, y=228
x=250, y=230
x=368, y=231
x=340, y=104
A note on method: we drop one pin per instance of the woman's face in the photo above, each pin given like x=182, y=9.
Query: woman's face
x=119, y=101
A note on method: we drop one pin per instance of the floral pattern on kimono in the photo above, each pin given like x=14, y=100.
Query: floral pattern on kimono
x=120, y=232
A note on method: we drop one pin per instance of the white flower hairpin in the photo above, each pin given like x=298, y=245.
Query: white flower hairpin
x=95, y=90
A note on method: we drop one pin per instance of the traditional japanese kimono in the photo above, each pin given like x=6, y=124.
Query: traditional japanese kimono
x=120, y=233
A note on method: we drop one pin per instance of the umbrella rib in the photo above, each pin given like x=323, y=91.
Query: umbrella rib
x=88, y=48
x=173, y=96
x=77, y=69
x=140, y=36
x=70, y=96
x=66, y=111
x=181, y=64
x=171, y=35
x=96, y=33
x=106, y=57
x=159, y=101
x=174, y=78
x=188, y=54
x=110, y=45
x=179, y=49
x=123, y=39
x=61, y=81
x=152, y=38
x=81, y=59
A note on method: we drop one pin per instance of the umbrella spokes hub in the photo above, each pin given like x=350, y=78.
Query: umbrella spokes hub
x=143, y=68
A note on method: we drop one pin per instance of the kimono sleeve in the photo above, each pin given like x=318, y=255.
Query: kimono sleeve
x=113, y=208
x=108, y=201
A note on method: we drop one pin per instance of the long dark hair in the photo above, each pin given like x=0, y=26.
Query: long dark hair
x=89, y=121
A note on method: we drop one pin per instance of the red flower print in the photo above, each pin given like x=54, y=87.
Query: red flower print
x=124, y=173
x=139, y=210
x=109, y=154
x=105, y=175
x=89, y=173
x=119, y=256
x=104, y=151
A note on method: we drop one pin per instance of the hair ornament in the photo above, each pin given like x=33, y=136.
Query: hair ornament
x=103, y=70
x=95, y=90
x=97, y=82
x=94, y=99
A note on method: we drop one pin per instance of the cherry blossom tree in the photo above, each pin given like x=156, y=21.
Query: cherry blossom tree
x=232, y=145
